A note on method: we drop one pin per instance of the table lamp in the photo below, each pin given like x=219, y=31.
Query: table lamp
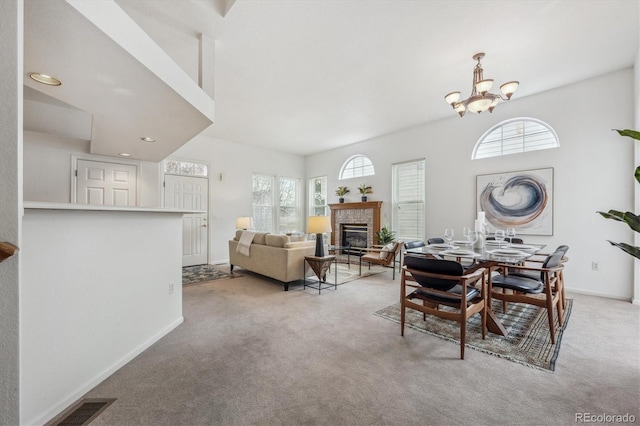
x=244, y=222
x=319, y=225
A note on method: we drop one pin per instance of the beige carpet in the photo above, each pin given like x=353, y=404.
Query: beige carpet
x=527, y=341
x=249, y=353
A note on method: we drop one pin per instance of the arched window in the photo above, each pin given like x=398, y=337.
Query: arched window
x=357, y=166
x=514, y=136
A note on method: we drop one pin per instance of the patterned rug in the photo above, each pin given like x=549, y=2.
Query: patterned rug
x=527, y=341
x=201, y=273
x=348, y=273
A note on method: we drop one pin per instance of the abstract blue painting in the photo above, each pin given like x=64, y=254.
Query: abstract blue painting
x=521, y=200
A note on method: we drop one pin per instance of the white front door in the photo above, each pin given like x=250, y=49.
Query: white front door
x=190, y=193
x=106, y=184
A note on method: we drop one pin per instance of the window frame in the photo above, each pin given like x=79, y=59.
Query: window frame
x=315, y=208
x=275, y=204
x=482, y=140
x=421, y=201
x=345, y=167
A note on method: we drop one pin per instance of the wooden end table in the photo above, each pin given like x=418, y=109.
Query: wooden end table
x=320, y=266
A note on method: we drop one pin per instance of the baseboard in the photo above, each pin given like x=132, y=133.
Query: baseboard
x=598, y=294
x=75, y=396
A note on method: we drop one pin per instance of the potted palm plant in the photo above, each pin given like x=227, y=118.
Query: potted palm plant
x=385, y=236
x=632, y=220
x=341, y=192
x=364, y=190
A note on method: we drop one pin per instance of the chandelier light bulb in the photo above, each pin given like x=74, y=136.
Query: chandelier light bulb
x=480, y=99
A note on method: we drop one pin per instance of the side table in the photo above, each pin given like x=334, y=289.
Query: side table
x=320, y=266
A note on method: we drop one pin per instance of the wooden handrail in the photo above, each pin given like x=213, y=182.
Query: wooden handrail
x=7, y=250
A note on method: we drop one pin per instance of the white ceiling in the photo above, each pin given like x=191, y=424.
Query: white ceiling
x=307, y=76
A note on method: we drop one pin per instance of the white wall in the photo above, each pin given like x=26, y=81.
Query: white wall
x=593, y=170
x=11, y=68
x=232, y=196
x=95, y=292
x=47, y=169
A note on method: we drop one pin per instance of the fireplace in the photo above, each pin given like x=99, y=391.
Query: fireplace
x=354, y=235
x=365, y=213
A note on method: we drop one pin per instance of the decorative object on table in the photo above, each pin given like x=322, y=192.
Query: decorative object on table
x=364, y=190
x=522, y=200
x=341, y=192
x=526, y=341
x=629, y=218
x=201, y=273
x=385, y=236
x=480, y=229
x=319, y=225
x=244, y=222
x=480, y=99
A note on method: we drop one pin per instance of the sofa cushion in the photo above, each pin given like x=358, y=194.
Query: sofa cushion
x=296, y=244
x=274, y=240
x=260, y=238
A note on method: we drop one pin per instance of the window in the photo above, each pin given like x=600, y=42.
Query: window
x=318, y=196
x=408, y=200
x=185, y=168
x=276, y=211
x=357, y=166
x=514, y=136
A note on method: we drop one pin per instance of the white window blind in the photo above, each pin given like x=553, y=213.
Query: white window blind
x=408, y=200
x=276, y=211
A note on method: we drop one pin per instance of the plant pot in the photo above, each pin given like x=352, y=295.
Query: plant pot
x=364, y=198
x=341, y=200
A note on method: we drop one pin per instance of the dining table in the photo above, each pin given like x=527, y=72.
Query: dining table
x=490, y=257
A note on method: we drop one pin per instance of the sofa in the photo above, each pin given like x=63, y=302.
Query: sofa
x=272, y=255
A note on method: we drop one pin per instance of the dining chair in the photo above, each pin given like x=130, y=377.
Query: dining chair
x=414, y=244
x=540, y=258
x=443, y=282
x=435, y=240
x=543, y=288
x=385, y=256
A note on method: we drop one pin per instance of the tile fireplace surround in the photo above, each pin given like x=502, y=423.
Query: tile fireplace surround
x=355, y=213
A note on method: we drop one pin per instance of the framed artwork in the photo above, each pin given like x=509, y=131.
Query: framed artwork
x=521, y=200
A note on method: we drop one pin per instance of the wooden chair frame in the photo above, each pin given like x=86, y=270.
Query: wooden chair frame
x=553, y=291
x=390, y=260
x=465, y=308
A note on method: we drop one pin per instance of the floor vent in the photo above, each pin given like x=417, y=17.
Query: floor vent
x=83, y=412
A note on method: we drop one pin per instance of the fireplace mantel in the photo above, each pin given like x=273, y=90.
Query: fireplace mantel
x=373, y=210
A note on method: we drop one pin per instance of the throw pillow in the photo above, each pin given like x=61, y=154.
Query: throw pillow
x=385, y=251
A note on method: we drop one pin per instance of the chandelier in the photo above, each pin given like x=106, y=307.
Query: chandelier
x=480, y=99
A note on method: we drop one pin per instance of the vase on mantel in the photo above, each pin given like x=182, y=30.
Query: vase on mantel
x=341, y=200
x=364, y=198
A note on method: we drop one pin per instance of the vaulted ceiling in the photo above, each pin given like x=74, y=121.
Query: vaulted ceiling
x=306, y=76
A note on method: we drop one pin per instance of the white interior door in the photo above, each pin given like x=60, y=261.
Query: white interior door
x=106, y=184
x=190, y=193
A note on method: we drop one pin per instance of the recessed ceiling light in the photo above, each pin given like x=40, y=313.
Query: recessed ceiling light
x=124, y=154
x=148, y=139
x=45, y=79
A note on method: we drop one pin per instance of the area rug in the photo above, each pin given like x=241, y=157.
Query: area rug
x=201, y=273
x=527, y=342
x=347, y=274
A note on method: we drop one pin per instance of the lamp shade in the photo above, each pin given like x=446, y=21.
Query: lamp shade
x=244, y=222
x=318, y=224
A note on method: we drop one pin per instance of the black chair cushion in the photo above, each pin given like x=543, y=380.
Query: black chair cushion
x=434, y=266
x=456, y=291
x=435, y=241
x=413, y=244
x=517, y=283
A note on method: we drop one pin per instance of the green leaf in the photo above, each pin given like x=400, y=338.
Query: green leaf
x=637, y=174
x=632, y=250
x=613, y=214
x=630, y=133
